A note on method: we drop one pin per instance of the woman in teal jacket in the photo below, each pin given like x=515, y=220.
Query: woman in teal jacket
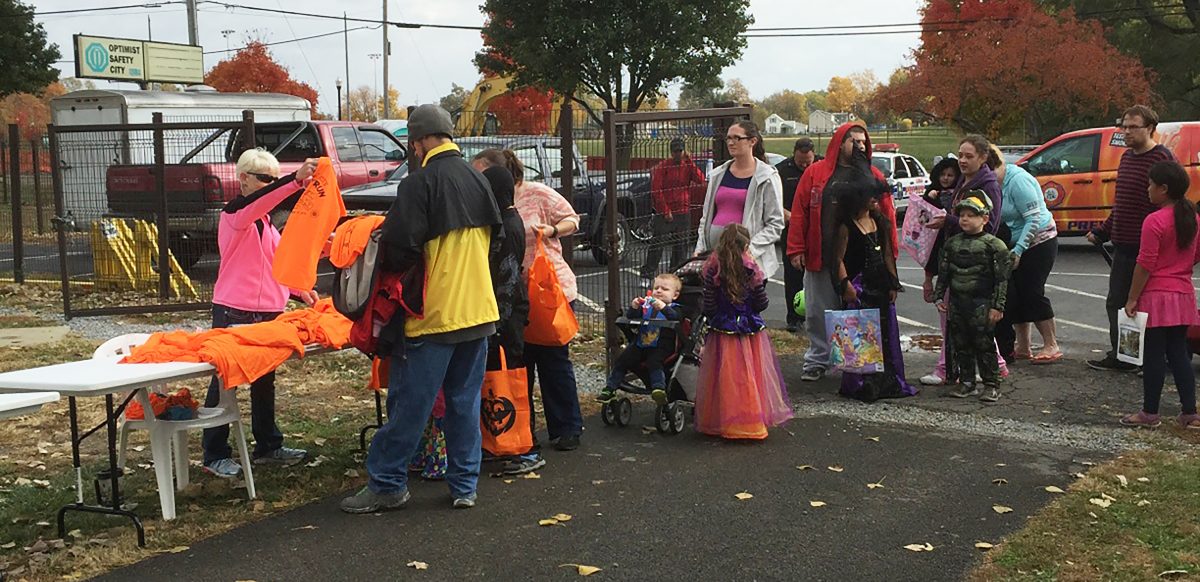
x=1033, y=240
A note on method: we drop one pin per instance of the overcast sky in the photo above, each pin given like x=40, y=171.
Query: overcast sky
x=426, y=61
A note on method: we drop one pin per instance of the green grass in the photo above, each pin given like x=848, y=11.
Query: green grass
x=1150, y=528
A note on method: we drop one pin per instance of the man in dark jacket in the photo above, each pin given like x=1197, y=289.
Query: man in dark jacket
x=790, y=171
x=443, y=227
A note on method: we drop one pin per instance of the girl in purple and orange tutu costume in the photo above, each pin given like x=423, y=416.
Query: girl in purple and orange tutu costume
x=741, y=391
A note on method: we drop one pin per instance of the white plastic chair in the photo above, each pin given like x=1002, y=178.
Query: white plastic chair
x=165, y=433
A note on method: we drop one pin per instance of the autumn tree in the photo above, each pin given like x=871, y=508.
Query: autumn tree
x=253, y=70
x=1164, y=35
x=1000, y=72
x=453, y=101
x=842, y=94
x=29, y=112
x=623, y=51
x=26, y=59
x=817, y=100
x=362, y=104
x=787, y=103
x=525, y=111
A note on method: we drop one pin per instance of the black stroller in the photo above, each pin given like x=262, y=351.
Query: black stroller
x=682, y=367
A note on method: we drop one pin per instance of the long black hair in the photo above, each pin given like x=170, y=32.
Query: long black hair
x=852, y=202
x=1175, y=179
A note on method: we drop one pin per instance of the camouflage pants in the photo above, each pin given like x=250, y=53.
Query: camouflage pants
x=972, y=341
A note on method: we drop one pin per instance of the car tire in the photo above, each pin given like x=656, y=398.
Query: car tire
x=599, y=246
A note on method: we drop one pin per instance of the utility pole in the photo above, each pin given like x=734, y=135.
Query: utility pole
x=193, y=27
x=346, y=40
x=387, y=50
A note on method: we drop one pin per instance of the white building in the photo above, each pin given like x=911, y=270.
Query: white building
x=825, y=122
x=777, y=125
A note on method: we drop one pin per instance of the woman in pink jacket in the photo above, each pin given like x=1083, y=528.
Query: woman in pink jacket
x=246, y=292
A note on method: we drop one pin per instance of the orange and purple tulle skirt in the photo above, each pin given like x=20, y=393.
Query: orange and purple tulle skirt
x=741, y=391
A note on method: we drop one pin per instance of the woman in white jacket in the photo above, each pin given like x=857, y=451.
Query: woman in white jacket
x=745, y=190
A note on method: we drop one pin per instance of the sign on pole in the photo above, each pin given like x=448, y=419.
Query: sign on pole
x=119, y=59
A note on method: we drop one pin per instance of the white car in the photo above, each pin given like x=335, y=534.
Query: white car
x=904, y=173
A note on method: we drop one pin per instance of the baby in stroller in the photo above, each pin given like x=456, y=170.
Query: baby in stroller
x=668, y=372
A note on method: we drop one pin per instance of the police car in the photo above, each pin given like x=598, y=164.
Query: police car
x=904, y=173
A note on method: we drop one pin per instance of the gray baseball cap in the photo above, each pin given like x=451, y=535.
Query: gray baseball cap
x=427, y=120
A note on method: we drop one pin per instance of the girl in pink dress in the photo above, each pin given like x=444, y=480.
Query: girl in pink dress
x=1162, y=288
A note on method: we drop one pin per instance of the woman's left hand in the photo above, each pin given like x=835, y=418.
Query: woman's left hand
x=309, y=297
x=547, y=231
x=306, y=170
x=1131, y=307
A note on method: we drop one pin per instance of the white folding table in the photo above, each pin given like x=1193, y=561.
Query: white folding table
x=12, y=405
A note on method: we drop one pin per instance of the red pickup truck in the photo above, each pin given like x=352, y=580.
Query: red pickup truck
x=205, y=177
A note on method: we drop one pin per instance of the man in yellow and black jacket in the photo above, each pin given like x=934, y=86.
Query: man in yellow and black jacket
x=440, y=231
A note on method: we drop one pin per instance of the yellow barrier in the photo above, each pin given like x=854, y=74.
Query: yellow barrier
x=123, y=253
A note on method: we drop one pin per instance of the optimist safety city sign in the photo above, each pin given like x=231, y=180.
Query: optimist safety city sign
x=119, y=59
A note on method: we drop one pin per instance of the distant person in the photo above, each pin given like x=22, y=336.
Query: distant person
x=846, y=168
x=971, y=290
x=790, y=171
x=1162, y=288
x=1124, y=224
x=671, y=183
x=746, y=191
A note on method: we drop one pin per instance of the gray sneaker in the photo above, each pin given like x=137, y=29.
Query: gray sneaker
x=964, y=390
x=990, y=394
x=224, y=468
x=812, y=375
x=464, y=502
x=367, y=501
x=282, y=456
x=522, y=465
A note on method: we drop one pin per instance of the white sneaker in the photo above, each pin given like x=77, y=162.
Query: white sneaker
x=932, y=380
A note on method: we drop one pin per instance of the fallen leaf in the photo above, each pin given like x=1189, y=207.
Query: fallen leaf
x=304, y=527
x=1053, y=489
x=875, y=439
x=925, y=547
x=260, y=506
x=319, y=442
x=178, y=549
x=417, y=565
x=1077, y=475
x=348, y=398
x=352, y=473
x=876, y=485
x=1170, y=573
x=1122, y=480
x=1100, y=502
x=1001, y=465
x=562, y=517
x=8, y=546
x=817, y=503
x=598, y=481
x=984, y=545
x=583, y=570
x=75, y=533
x=509, y=481
x=743, y=496
x=1093, y=515
x=21, y=481
x=1001, y=509
x=804, y=467
x=835, y=469
x=629, y=459
x=999, y=481
x=531, y=476
x=1143, y=503
x=42, y=483
x=1108, y=497
x=1143, y=479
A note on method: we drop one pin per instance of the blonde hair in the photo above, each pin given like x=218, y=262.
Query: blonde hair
x=672, y=278
x=258, y=161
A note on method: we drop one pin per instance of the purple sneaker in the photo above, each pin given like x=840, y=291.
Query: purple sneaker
x=1190, y=421
x=1142, y=419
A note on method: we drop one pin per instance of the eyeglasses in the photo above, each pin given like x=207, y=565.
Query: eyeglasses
x=264, y=178
x=1131, y=127
x=736, y=138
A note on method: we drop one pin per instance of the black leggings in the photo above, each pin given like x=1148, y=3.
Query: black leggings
x=1167, y=346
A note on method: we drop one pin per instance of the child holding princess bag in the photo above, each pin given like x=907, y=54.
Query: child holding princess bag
x=741, y=391
x=1162, y=288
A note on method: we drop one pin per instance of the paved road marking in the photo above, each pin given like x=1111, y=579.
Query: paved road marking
x=913, y=323
x=1074, y=292
x=584, y=299
x=1080, y=325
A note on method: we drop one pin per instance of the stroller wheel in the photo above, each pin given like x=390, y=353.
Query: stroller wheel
x=608, y=413
x=675, y=417
x=662, y=419
x=624, y=412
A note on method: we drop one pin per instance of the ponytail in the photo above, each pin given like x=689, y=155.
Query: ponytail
x=506, y=159
x=751, y=129
x=1174, y=178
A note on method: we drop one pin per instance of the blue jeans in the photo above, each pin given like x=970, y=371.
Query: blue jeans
x=267, y=437
x=560, y=394
x=412, y=388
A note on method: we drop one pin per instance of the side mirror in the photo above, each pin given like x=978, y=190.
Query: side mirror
x=397, y=155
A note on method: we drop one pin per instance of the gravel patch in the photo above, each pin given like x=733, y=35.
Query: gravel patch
x=1088, y=438
x=107, y=327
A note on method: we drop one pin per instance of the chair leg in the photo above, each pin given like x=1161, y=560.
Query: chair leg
x=160, y=449
x=247, y=471
x=181, y=460
x=124, y=446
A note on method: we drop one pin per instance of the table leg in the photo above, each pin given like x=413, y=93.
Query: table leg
x=362, y=434
x=111, y=423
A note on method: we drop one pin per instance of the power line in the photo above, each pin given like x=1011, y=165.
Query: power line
x=299, y=39
x=341, y=18
x=98, y=9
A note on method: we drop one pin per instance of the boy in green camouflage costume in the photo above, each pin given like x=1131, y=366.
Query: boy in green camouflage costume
x=974, y=267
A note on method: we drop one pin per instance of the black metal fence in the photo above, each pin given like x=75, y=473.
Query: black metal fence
x=27, y=246
x=137, y=206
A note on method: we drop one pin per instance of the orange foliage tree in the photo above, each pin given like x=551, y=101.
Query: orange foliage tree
x=994, y=67
x=525, y=111
x=253, y=70
x=30, y=112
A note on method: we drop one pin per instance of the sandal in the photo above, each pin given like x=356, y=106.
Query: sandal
x=1018, y=356
x=1142, y=419
x=1190, y=421
x=1042, y=359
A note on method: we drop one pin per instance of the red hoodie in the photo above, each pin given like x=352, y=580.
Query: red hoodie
x=804, y=230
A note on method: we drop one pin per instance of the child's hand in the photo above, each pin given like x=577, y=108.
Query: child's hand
x=995, y=315
x=941, y=305
x=927, y=290
x=850, y=295
x=637, y=302
x=658, y=304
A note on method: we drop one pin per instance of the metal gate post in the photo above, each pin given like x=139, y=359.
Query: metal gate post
x=611, y=309
x=14, y=180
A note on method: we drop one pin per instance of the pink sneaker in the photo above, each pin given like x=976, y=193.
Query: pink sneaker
x=1142, y=419
x=1190, y=421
